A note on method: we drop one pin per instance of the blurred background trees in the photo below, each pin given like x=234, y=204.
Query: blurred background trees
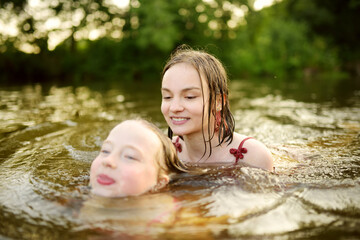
x=77, y=41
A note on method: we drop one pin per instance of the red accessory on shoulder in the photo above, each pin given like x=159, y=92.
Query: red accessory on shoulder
x=238, y=153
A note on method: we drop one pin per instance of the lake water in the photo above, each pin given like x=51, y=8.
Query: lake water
x=49, y=135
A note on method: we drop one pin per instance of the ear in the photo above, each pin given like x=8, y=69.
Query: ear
x=162, y=182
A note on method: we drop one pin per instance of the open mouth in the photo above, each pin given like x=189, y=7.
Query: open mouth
x=179, y=120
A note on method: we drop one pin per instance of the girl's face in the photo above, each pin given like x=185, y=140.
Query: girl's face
x=126, y=163
x=182, y=99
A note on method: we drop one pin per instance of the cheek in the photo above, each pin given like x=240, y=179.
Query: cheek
x=94, y=167
x=198, y=108
x=136, y=181
x=164, y=107
x=139, y=175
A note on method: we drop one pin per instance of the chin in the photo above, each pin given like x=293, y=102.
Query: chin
x=103, y=193
x=183, y=132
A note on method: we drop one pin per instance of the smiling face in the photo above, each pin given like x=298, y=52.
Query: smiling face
x=183, y=103
x=126, y=164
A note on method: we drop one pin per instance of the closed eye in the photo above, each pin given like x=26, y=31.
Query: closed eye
x=105, y=151
x=191, y=97
x=131, y=157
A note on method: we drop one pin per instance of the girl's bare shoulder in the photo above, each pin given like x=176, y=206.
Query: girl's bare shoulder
x=257, y=154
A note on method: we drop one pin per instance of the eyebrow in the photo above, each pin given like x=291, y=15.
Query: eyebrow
x=127, y=146
x=107, y=142
x=183, y=90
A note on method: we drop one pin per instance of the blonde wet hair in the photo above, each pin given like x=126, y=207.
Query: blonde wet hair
x=166, y=158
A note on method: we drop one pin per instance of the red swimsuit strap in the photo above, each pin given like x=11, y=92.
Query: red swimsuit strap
x=238, y=153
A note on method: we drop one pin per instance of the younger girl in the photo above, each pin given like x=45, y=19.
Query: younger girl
x=195, y=105
x=134, y=159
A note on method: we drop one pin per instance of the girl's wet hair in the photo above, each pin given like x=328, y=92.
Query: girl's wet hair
x=216, y=78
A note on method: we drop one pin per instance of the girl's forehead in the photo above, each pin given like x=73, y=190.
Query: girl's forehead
x=135, y=132
x=184, y=73
x=181, y=66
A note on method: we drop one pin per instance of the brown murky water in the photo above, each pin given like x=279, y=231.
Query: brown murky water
x=49, y=136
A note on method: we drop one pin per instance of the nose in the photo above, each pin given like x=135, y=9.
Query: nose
x=176, y=106
x=109, y=161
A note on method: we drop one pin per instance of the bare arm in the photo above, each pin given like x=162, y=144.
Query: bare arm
x=258, y=155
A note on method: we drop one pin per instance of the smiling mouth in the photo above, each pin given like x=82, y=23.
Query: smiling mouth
x=179, y=119
x=105, y=180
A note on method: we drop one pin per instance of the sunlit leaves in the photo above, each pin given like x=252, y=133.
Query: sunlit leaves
x=158, y=23
x=134, y=37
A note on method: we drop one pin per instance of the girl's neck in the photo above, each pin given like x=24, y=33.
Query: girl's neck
x=195, y=147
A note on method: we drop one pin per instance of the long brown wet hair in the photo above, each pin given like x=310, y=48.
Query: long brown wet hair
x=216, y=78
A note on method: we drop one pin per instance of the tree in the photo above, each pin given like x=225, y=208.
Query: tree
x=335, y=21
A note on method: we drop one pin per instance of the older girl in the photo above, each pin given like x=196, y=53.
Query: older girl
x=195, y=105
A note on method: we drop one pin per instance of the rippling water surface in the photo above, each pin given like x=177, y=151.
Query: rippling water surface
x=50, y=135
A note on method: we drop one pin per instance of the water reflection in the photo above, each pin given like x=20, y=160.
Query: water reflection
x=50, y=136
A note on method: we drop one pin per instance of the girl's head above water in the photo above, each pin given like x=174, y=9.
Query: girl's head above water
x=134, y=159
x=216, y=116
x=195, y=105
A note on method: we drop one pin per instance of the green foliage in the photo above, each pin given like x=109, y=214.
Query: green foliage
x=292, y=39
x=156, y=26
x=277, y=50
x=335, y=21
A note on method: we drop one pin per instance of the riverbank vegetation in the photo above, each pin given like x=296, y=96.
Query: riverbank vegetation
x=75, y=42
